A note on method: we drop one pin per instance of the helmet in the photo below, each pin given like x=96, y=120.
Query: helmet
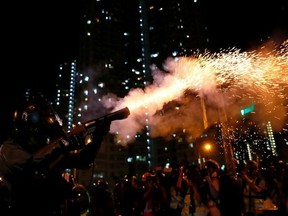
x=80, y=198
x=251, y=165
x=147, y=176
x=193, y=173
x=102, y=184
x=37, y=117
x=213, y=164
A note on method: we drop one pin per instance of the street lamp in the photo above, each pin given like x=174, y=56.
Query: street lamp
x=207, y=147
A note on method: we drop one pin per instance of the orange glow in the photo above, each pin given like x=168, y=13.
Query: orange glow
x=241, y=77
x=207, y=147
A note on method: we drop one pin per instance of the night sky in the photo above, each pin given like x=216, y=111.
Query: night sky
x=247, y=24
x=36, y=36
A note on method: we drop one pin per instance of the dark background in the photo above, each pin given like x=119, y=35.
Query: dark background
x=35, y=37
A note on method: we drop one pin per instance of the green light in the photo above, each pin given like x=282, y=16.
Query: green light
x=247, y=110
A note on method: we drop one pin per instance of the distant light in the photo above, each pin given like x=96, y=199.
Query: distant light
x=207, y=147
x=174, y=53
x=248, y=109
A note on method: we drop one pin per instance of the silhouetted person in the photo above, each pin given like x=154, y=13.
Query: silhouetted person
x=211, y=187
x=231, y=195
x=102, y=203
x=254, y=188
x=34, y=157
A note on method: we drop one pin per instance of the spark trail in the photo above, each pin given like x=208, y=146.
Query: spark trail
x=229, y=79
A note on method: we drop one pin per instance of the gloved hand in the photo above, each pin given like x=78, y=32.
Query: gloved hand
x=75, y=139
x=75, y=142
x=82, y=135
x=101, y=129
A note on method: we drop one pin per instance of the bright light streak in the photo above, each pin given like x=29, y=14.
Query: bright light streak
x=238, y=77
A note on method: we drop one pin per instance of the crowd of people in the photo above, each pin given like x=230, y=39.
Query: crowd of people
x=37, y=152
x=188, y=190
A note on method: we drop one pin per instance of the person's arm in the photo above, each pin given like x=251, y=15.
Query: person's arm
x=180, y=178
x=71, y=152
x=252, y=184
x=13, y=158
x=148, y=190
x=197, y=194
x=214, y=186
x=84, y=157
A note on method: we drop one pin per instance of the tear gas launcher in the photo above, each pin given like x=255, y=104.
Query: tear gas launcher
x=106, y=119
x=96, y=125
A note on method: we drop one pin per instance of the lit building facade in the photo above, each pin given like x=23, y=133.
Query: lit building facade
x=120, y=43
x=65, y=92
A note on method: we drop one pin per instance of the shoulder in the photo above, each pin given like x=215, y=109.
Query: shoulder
x=12, y=153
x=10, y=144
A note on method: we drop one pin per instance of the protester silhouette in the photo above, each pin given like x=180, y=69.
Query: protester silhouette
x=35, y=155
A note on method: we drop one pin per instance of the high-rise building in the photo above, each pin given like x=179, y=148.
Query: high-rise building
x=120, y=43
x=65, y=93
